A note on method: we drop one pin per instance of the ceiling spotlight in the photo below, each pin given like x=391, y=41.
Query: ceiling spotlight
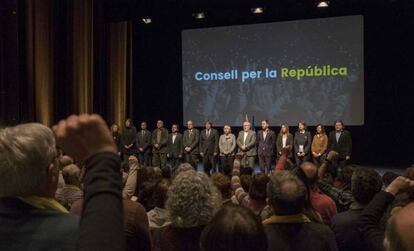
x=199, y=15
x=257, y=10
x=147, y=20
x=323, y=4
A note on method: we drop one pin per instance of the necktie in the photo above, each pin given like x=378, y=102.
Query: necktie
x=208, y=133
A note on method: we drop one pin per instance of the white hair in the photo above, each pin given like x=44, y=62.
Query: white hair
x=26, y=151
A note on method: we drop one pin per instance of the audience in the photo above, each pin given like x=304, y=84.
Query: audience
x=365, y=184
x=158, y=217
x=29, y=216
x=223, y=184
x=71, y=190
x=234, y=228
x=289, y=228
x=192, y=201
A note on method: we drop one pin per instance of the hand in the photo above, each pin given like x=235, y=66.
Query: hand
x=180, y=156
x=215, y=154
x=168, y=155
x=332, y=155
x=157, y=146
x=286, y=150
x=84, y=136
x=141, y=149
x=347, y=157
x=243, y=148
x=201, y=154
x=399, y=185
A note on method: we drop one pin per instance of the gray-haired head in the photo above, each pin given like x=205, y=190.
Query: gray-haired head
x=26, y=152
x=192, y=199
x=286, y=193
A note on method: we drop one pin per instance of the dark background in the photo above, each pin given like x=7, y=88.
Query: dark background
x=156, y=92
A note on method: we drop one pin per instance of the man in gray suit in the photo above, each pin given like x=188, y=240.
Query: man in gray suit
x=191, y=139
x=266, y=140
x=175, y=147
x=209, y=147
x=246, y=141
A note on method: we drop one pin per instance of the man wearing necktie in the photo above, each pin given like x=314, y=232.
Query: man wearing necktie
x=266, y=140
x=143, y=142
x=175, y=147
x=209, y=147
x=191, y=139
x=340, y=141
x=246, y=141
x=159, y=145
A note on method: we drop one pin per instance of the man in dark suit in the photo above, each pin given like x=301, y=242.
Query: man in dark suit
x=302, y=143
x=209, y=147
x=143, y=142
x=340, y=141
x=266, y=139
x=159, y=145
x=191, y=139
x=175, y=147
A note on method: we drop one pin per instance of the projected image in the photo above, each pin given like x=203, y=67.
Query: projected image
x=309, y=70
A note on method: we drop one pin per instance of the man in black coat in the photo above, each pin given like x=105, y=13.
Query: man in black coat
x=266, y=139
x=302, y=143
x=175, y=147
x=340, y=141
x=209, y=147
x=143, y=142
x=191, y=139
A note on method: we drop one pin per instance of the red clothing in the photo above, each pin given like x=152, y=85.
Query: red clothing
x=323, y=204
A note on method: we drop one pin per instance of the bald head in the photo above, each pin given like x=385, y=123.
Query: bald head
x=399, y=235
x=311, y=172
x=71, y=174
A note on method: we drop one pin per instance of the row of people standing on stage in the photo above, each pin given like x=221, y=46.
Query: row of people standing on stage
x=160, y=147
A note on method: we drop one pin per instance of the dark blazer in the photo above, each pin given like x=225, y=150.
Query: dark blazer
x=175, y=149
x=266, y=146
x=279, y=144
x=192, y=140
x=304, y=139
x=300, y=237
x=209, y=145
x=343, y=146
x=163, y=140
x=23, y=227
x=143, y=141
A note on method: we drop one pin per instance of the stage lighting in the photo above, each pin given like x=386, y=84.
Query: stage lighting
x=323, y=4
x=147, y=20
x=257, y=10
x=199, y=15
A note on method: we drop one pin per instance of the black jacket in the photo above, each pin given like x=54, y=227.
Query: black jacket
x=300, y=237
x=279, y=144
x=209, y=145
x=176, y=148
x=304, y=139
x=343, y=146
x=192, y=140
x=143, y=140
x=266, y=146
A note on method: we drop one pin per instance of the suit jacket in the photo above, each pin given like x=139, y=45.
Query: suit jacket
x=175, y=149
x=279, y=143
x=209, y=145
x=343, y=146
x=163, y=140
x=302, y=139
x=266, y=146
x=192, y=140
x=250, y=143
x=143, y=141
x=24, y=227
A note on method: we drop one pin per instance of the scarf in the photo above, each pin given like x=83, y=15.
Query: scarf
x=44, y=203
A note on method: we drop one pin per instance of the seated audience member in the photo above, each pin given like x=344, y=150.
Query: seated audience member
x=223, y=184
x=289, y=229
x=30, y=219
x=366, y=183
x=388, y=178
x=192, y=202
x=255, y=198
x=71, y=191
x=398, y=235
x=234, y=228
x=320, y=202
x=158, y=216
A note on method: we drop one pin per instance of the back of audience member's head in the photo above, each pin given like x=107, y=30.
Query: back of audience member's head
x=286, y=193
x=159, y=195
x=234, y=228
x=157, y=174
x=182, y=168
x=258, y=186
x=246, y=181
x=71, y=175
x=192, y=199
x=310, y=171
x=223, y=184
x=347, y=173
x=28, y=160
x=65, y=160
x=366, y=183
x=399, y=235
